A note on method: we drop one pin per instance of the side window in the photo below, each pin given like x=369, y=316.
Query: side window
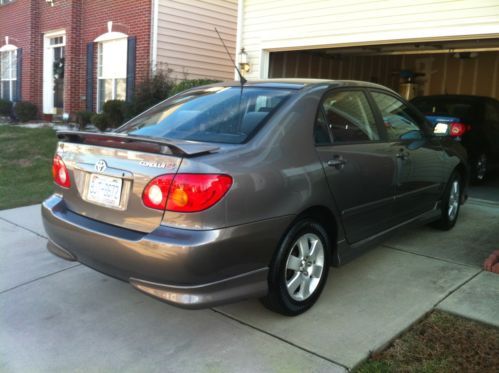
x=348, y=116
x=398, y=118
x=321, y=133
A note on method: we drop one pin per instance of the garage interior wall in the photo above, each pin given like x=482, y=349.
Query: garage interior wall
x=444, y=74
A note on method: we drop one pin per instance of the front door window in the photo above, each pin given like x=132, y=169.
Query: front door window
x=58, y=71
x=53, y=73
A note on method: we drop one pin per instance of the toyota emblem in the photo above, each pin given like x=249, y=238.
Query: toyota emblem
x=100, y=166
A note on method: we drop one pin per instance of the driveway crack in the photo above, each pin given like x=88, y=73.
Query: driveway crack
x=457, y=288
x=20, y=226
x=281, y=339
x=38, y=278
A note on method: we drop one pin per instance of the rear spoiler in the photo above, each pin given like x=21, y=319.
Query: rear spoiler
x=138, y=143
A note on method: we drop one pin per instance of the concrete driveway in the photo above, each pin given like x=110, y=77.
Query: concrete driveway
x=60, y=316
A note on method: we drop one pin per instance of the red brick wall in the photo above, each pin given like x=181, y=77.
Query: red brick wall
x=25, y=22
x=15, y=22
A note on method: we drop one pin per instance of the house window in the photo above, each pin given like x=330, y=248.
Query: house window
x=111, y=71
x=8, y=75
x=3, y=2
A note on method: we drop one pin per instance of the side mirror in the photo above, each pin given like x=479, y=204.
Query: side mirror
x=413, y=139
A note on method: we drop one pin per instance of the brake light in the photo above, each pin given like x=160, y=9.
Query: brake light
x=156, y=192
x=458, y=129
x=186, y=192
x=60, y=172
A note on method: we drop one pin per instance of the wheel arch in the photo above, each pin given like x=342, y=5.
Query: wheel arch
x=326, y=218
x=464, y=173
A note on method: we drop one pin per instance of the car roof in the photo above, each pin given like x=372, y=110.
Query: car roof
x=297, y=83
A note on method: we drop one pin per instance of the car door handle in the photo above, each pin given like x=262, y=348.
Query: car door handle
x=402, y=155
x=337, y=162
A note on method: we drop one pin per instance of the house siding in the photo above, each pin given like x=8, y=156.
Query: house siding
x=280, y=25
x=187, y=43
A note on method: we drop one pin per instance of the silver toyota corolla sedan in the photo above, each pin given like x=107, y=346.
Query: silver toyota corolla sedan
x=226, y=192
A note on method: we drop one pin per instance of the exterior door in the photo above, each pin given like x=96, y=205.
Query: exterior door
x=53, y=73
x=358, y=165
x=420, y=170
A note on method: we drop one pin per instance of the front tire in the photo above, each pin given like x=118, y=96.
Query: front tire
x=299, y=269
x=451, y=202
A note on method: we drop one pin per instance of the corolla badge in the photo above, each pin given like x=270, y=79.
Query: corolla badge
x=100, y=166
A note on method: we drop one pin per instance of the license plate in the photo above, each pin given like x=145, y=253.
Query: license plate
x=105, y=190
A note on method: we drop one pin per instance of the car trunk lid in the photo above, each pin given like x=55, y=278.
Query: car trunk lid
x=109, y=172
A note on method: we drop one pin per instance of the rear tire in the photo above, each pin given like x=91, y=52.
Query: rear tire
x=451, y=202
x=299, y=269
x=479, y=167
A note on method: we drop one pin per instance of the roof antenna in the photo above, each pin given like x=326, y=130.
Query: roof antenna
x=241, y=77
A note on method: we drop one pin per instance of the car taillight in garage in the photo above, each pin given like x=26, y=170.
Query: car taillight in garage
x=60, y=172
x=185, y=192
x=458, y=129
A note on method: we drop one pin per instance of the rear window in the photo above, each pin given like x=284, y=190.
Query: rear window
x=216, y=114
x=462, y=109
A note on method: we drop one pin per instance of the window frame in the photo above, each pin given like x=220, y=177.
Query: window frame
x=99, y=105
x=13, y=77
x=425, y=128
x=320, y=109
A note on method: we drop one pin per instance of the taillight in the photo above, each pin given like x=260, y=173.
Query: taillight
x=186, y=192
x=458, y=129
x=60, y=172
x=156, y=192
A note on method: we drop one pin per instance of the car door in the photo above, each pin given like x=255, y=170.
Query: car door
x=358, y=164
x=418, y=156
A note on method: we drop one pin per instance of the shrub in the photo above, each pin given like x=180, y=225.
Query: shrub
x=158, y=88
x=5, y=108
x=83, y=118
x=115, y=112
x=187, y=84
x=100, y=121
x=151, y=91
x=25, y=111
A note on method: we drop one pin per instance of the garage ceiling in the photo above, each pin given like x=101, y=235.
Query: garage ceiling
x=477, y=45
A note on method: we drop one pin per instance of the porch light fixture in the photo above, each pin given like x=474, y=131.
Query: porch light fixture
x=244, y=66
x=51, y=2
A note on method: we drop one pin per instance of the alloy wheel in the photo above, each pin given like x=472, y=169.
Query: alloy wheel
x=304, y=267
x=454, y=196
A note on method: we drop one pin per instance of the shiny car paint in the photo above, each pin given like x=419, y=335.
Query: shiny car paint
x=222, y=254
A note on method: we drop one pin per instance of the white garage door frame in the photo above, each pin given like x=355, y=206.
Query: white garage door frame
x=269, y=47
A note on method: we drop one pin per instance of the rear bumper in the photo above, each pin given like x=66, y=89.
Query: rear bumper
x=188, y=268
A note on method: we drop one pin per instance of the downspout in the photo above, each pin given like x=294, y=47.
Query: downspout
x=239, y=36
x=154, y=35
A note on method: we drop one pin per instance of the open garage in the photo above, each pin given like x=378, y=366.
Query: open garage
x=425, y=68
x=462, y=67
x=418, y=48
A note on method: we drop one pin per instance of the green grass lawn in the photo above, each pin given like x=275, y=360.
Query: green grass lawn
x=25, y=165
